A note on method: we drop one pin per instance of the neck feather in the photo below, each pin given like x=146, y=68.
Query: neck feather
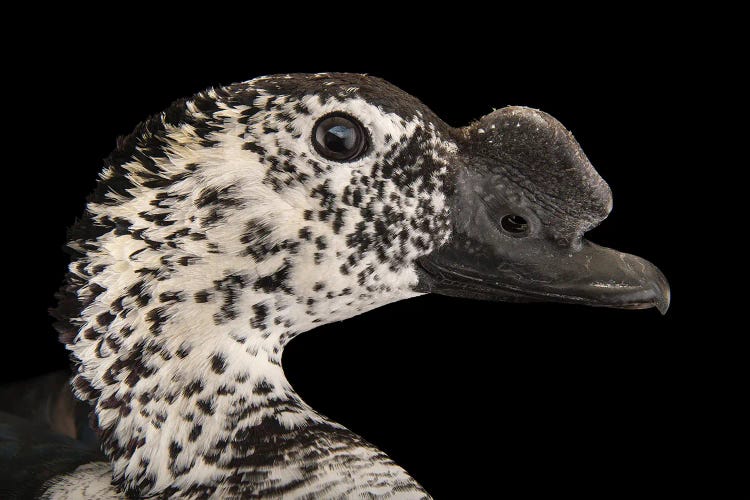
x=187, y=382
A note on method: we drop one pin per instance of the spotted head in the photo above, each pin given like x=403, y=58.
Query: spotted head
x=303, y=198
x=249, y=213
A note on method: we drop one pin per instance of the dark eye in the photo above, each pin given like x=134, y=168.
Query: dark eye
x=339, y=137
x=515, y=225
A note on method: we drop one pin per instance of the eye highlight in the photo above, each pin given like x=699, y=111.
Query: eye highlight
x=514, y=225
x=339, y=137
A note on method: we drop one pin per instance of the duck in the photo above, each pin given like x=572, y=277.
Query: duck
x=247, y=214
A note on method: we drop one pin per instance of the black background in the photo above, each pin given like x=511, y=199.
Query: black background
x=467, y=396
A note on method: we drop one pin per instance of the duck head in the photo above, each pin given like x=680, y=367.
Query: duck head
x=238, y=218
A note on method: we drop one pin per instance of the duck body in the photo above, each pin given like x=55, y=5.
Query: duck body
x=225, y=226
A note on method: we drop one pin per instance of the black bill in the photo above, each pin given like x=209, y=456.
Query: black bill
x=524, y=196
x=594, y=276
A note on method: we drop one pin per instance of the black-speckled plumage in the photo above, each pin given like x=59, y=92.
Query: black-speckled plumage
x=219, y=231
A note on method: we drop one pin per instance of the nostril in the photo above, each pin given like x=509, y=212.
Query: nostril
x=574, y=243
x=515, y=225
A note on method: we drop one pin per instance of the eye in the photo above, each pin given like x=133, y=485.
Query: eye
x=339, y=137
x=515, y=225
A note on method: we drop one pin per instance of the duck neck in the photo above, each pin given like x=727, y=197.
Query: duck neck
x=180, y=415
x=183, y=366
